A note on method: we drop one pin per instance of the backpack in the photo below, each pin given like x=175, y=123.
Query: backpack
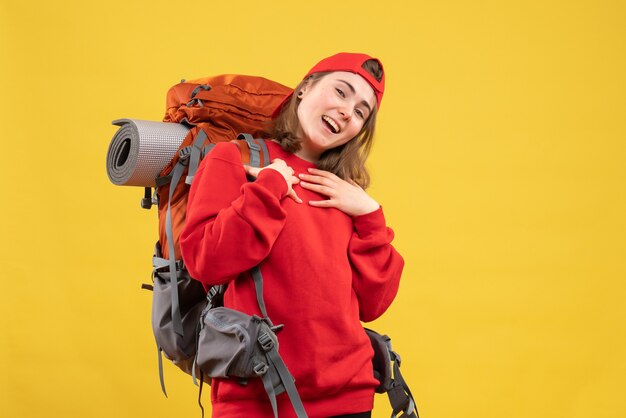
x=185, y=318
x=215, y=109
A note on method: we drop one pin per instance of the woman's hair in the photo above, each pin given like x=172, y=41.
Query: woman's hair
x=346, y=161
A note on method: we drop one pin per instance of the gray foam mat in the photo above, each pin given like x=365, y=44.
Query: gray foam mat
x=140, y=149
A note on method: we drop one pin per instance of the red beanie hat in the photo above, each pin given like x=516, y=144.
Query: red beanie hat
x=345, y=61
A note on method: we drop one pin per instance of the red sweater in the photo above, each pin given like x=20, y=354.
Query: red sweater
x=323, y=271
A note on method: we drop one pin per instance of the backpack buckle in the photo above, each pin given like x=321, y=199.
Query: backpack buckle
x=266, y=341
x=260, y=369
x=254, y=146
x=184, y=154
x=213, y=291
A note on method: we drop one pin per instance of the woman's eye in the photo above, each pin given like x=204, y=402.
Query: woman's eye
x=340, y=92
x=359, y=113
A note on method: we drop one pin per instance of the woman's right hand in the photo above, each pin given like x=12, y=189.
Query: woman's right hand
x=286, y=171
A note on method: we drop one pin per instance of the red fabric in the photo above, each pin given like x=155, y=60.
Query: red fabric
x=323, y=271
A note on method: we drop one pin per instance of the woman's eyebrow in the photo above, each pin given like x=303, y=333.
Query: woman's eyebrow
x=364, y=103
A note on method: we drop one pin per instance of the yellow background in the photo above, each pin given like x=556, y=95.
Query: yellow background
x=500, y=161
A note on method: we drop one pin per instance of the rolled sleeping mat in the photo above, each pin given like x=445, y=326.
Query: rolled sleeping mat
x=141, y=149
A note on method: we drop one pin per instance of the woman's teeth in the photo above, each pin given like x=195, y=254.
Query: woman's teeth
x=331, y=123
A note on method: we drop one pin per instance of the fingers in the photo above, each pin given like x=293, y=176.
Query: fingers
x=326, y=178
x=253, y=171
x=287, y=172
x=323, y=203
x=292, y=181
x=293, y=195
x=323, y=178
x=282, y=165
x=325, y=190
x=317, y=179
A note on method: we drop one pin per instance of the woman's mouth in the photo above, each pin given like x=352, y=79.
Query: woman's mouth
x=332, y=125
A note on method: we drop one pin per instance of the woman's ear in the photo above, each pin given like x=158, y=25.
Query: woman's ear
x=304, y=88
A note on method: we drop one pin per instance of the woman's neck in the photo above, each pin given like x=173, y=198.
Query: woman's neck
x=307, y=153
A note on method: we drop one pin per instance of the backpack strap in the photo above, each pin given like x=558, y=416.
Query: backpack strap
x=176, y=176
x=271, y=353
x=255, y=149
x=258, y=287
x=189, y=156
x=192, y=153
x=196, y=151
x=173, y=264
x=161, y=378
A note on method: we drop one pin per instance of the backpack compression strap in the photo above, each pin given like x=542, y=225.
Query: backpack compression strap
x=272, y=356
x=176, y=175
x=196, y=151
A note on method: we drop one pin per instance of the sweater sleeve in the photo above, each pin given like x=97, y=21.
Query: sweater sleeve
x=232, y=224
x=376, y=265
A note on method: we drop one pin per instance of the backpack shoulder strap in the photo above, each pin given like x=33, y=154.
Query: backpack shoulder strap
x=196, y=154
x=254, y=151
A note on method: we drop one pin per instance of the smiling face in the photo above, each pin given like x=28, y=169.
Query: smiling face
x=332, y=111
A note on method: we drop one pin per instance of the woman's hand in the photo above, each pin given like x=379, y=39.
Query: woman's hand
x=347, y=196
x=286, y=171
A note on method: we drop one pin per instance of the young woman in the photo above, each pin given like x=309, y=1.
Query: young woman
x=321, y=241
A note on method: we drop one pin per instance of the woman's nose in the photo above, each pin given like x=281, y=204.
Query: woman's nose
x=344, y=113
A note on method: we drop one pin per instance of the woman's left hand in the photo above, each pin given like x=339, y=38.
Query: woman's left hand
x=347, y=196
